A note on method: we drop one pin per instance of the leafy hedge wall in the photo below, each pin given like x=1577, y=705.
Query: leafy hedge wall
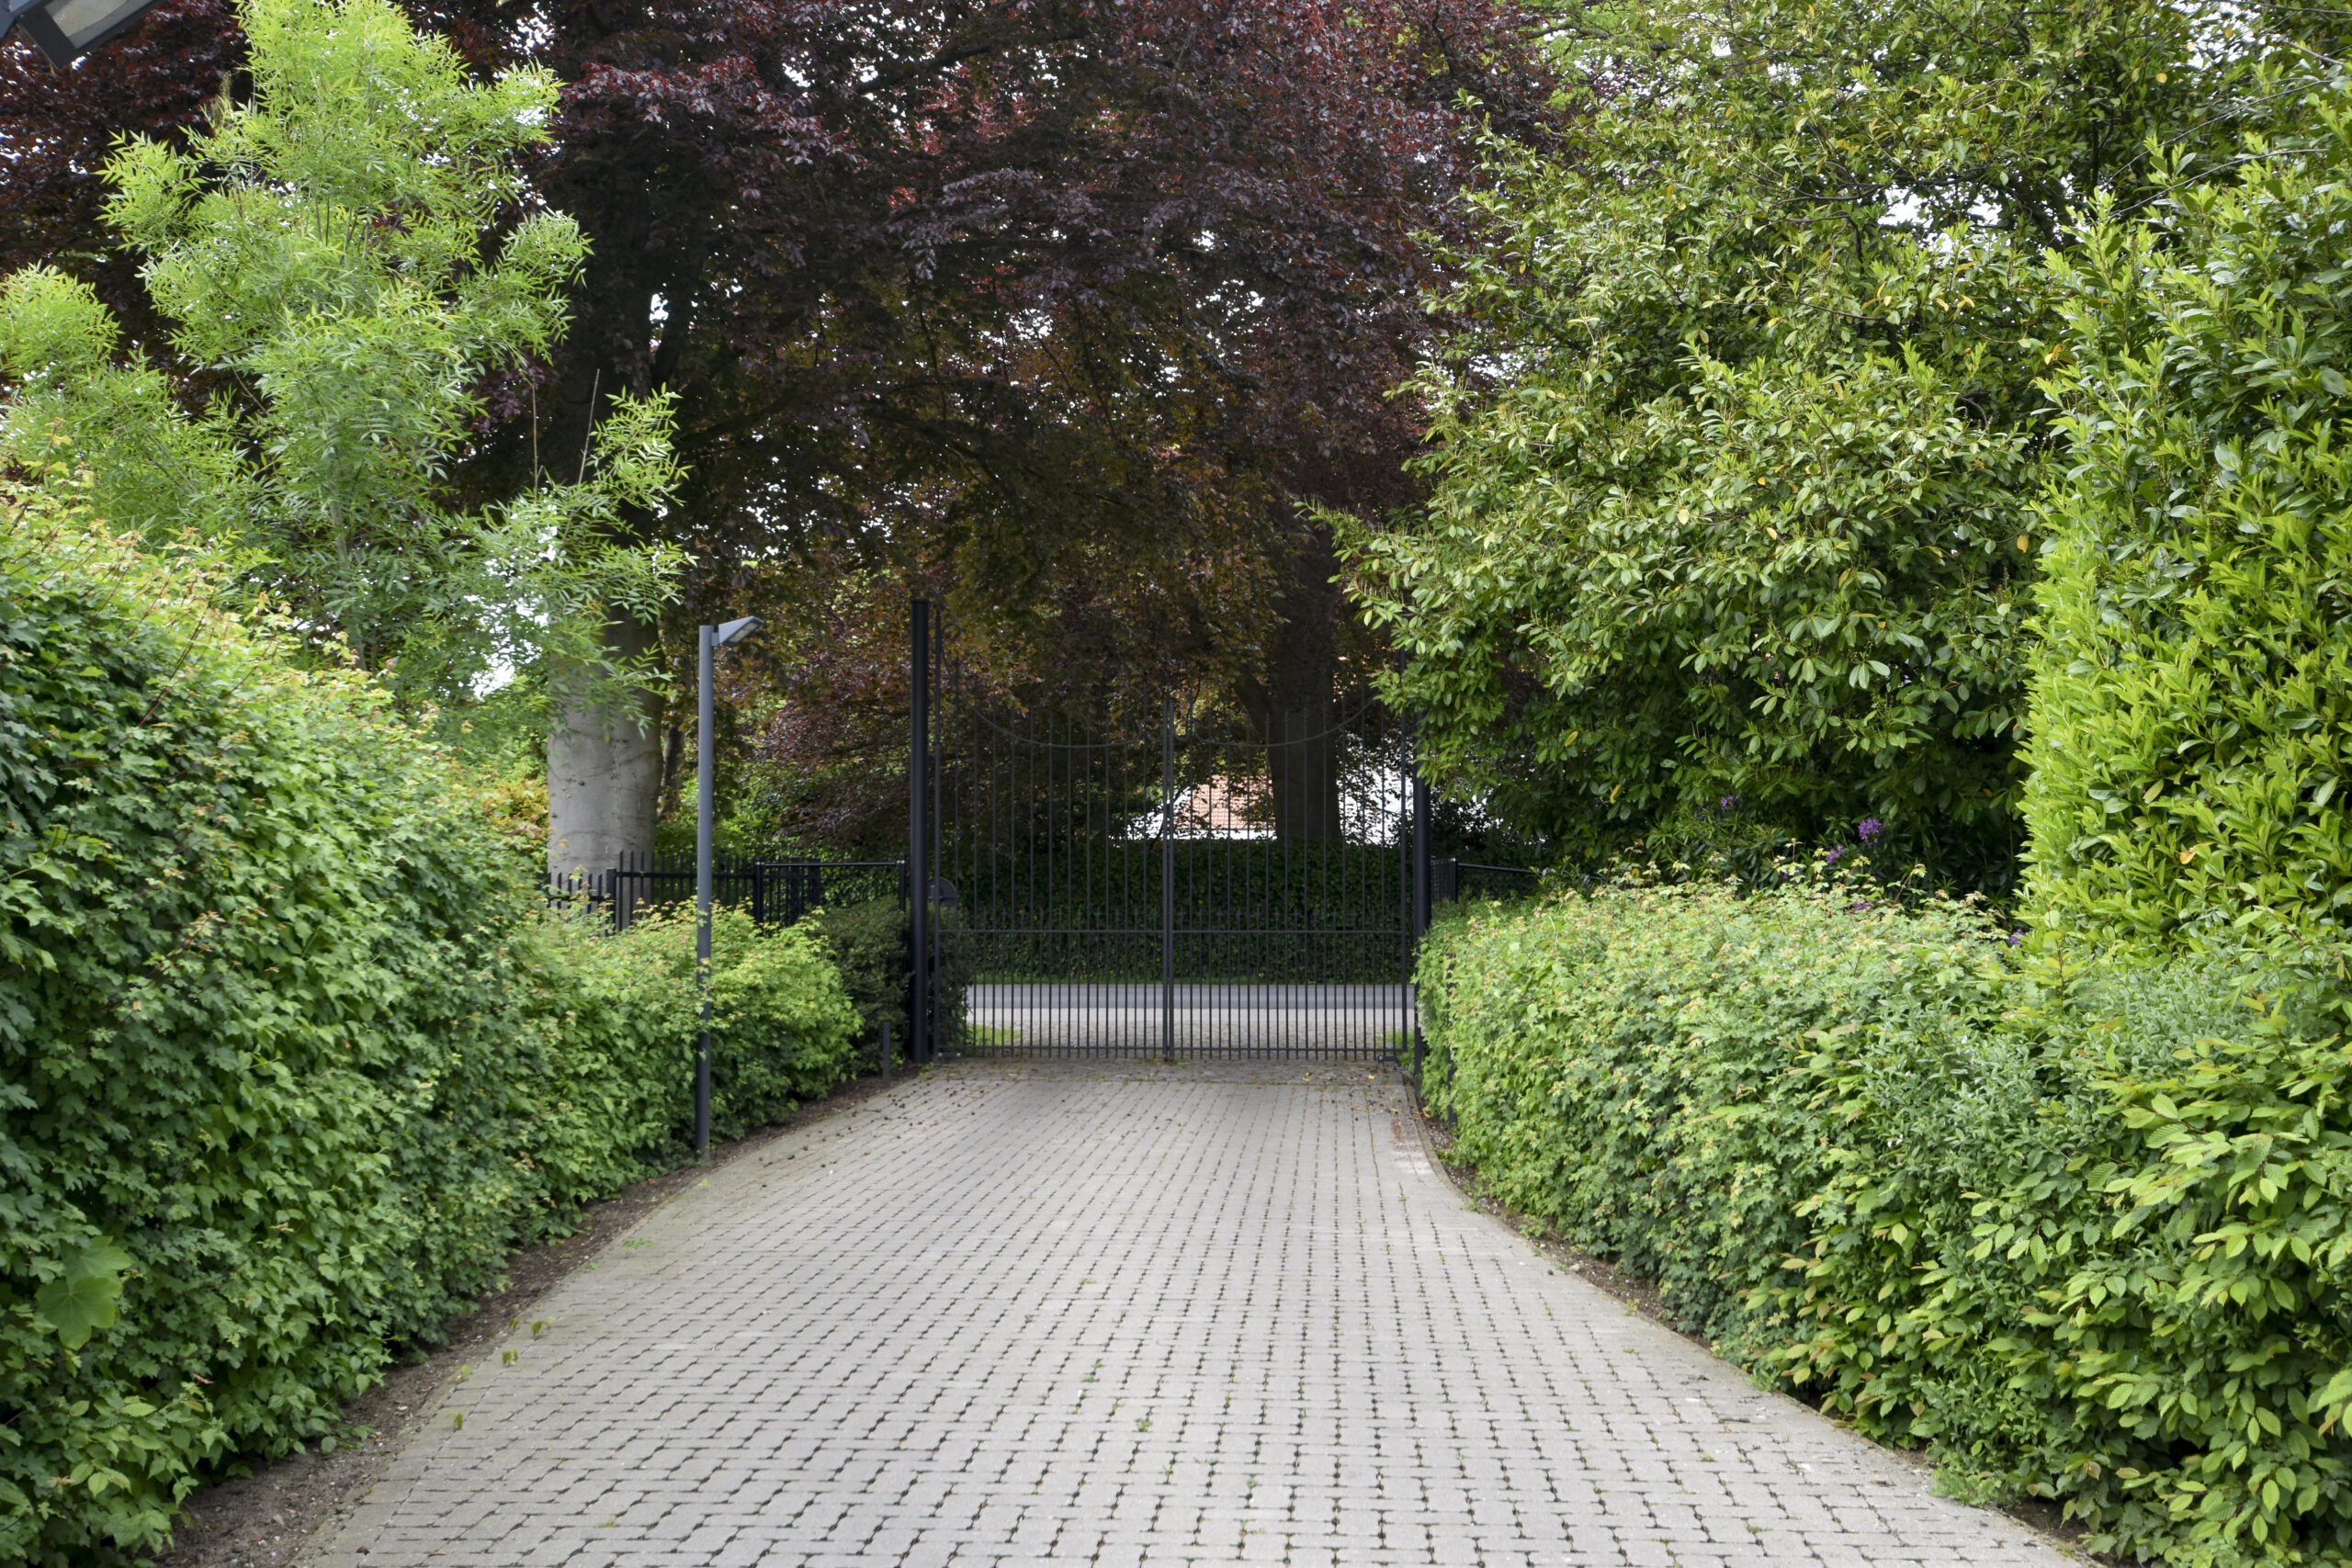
x=290, y=1055
x=2078, y=1226
x=768, y=989
x=2192, y=721
x=868, y=942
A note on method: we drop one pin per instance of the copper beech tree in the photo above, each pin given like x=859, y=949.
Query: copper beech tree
x=1007, y=284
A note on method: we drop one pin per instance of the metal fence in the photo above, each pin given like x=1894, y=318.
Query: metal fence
x=773, y=891
x=1450, y=878
x=1165, y=876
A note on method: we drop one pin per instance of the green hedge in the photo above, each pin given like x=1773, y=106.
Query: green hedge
x=2075, y=1223
x=2191, y=716
x=783, y=1029
x=292, y=1054
x=868, y=942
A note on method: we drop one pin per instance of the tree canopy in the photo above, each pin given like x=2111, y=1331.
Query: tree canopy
x=1735, y=443
x=340, y=257
x=1013, y=298
x=1026, y=283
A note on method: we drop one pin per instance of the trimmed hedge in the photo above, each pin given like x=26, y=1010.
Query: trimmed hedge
x=867, y=942
x=2075, y=1223
x=292, y=1054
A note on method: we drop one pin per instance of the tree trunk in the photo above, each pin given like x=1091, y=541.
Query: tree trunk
x=1303, y=768
x=603, y=772
x=605, y=764
x=1291, y=703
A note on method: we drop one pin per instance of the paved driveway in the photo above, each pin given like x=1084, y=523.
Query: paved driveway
x=1023, y=1313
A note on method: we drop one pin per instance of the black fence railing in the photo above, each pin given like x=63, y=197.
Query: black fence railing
x=1450, y=879
x=773, y=891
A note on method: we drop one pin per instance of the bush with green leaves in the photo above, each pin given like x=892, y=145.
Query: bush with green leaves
x=257, y=1114
x=292, y=1054
x=867, y=942
x=2094, y=1249
x=1621, y=1066
x=2074, y=1222
x=782, y=1029
x=2193, y=702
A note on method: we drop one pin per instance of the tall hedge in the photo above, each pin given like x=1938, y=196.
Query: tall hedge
x=2191, y=705
x=290, y=1053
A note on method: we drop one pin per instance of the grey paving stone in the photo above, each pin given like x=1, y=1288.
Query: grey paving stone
x=1031, y=1312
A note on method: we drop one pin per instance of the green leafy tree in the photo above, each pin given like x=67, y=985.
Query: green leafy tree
x=1734, y=449
x=2192, y=704
x=348, y=257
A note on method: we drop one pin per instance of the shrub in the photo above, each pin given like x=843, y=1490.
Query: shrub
x=2189, y=722
x=2073, y=1223
x=259, y=1110
x=867, y=942
x=615, y=1100
x=783, y=1028
x=1625, y=1066
x=2094, y=1251
x=291, y=1053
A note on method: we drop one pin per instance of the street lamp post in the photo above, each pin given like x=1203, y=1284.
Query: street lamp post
x=713, y=640
x=68, y=30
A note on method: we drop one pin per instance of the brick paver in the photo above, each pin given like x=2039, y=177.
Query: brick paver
x=1037, y=1313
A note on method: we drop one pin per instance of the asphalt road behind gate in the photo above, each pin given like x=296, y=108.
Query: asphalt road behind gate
x=1027, y=1312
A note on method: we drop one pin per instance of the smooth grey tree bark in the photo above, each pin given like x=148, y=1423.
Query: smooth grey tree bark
x=603, y=772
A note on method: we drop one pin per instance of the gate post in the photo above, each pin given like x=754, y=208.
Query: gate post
x=1168, y=877
x=1420, y=890
x=918, y=873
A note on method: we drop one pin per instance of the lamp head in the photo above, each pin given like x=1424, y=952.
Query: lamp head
x=68, y=30
x=735, y=631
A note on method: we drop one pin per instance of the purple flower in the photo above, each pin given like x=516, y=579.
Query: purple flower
x=1868, y=829
x=2016, y=936
x=1831, y=858
x=1726, y=803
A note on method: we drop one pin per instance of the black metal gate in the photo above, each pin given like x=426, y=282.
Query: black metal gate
x=1160, y=876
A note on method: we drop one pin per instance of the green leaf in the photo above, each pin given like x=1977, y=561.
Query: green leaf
x=81, y=1301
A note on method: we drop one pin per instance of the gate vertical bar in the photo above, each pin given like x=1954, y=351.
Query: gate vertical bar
x=1167, y=878
x=1420, y=859
x=918, y=797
